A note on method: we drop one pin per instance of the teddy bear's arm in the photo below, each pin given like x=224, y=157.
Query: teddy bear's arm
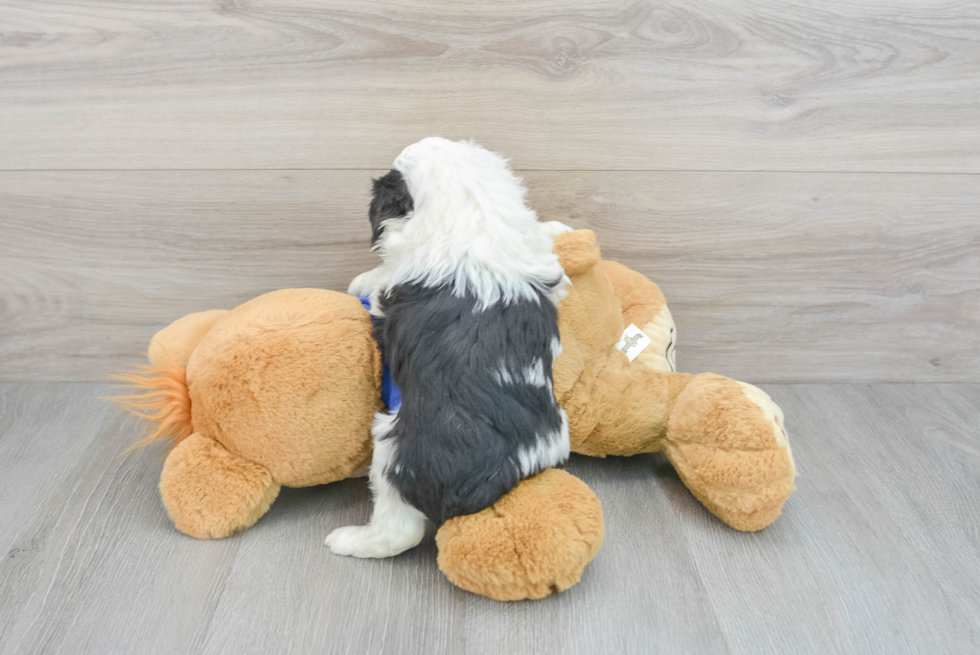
x=644, y=306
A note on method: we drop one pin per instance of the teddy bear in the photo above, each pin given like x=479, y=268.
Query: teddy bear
x=282, y=391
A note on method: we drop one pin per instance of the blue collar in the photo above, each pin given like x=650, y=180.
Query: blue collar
x=391, y=395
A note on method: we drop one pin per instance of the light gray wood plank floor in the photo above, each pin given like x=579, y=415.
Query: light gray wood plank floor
x=876, y=552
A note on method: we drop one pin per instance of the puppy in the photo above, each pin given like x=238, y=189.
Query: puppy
x=466, y=306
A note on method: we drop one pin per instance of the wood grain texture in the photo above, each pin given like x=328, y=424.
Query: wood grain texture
x=93, y=564
x=405, y=605
x=771, y=277
x=875, y=551
x=797, y=277
x=602, y=84
x=92, y=264
x=879, y=538
x=26, y=469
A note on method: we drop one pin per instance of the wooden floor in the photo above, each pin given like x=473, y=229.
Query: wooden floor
x=876, y=552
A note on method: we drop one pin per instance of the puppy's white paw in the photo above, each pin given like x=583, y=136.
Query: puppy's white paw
x=363, y=284
x=554, y=228
x=363, y=541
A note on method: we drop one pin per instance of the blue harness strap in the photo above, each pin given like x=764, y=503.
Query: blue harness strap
x=391, y=395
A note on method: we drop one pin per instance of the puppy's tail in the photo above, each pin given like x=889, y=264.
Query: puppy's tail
x=160, y=397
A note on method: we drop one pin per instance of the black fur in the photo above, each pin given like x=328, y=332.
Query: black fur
x=459, y=429
x=389, y=199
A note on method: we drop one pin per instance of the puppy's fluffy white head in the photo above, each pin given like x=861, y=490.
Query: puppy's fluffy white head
x=469, y=226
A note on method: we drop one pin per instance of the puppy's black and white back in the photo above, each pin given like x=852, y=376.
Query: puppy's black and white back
x=478, y=408
x=466, y=302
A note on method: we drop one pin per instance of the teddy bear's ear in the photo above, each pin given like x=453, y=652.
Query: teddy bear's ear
x=577, y=251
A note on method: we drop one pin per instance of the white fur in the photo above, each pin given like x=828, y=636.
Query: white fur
x=365, y=283
x=554, y=228
x=470, y=228
x=550, y=450
x=395, y=525
x=533, y=374
x=503, y=376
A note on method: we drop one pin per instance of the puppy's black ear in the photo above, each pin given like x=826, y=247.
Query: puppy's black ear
x=389, y=199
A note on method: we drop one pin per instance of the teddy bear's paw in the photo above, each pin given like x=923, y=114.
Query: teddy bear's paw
x=371, y=541
x=212, y=493
x=533, y=542
x=660, y=354
x=773, y=414
x=729, y=445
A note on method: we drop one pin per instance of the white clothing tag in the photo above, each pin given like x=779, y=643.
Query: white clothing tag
x=633, y=342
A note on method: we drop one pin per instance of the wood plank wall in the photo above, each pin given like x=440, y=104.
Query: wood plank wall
x=802, y=178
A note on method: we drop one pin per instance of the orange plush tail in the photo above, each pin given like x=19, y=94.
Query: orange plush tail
x=161, y=399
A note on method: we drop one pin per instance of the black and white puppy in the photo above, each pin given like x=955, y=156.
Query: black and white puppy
x=466, y=300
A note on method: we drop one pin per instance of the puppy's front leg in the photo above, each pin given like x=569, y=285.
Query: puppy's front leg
x=365, y=283
x=554, y=228
x=395, y=525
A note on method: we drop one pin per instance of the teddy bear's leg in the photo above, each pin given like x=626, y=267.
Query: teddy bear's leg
x=535, y=540
x=211, y=493
x=625, y=410
x=729, y=445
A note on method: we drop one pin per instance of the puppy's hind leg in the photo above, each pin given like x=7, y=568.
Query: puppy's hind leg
x=395, y=525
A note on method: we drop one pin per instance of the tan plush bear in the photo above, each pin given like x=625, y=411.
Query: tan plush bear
x=282, y=390
x=725, y=438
